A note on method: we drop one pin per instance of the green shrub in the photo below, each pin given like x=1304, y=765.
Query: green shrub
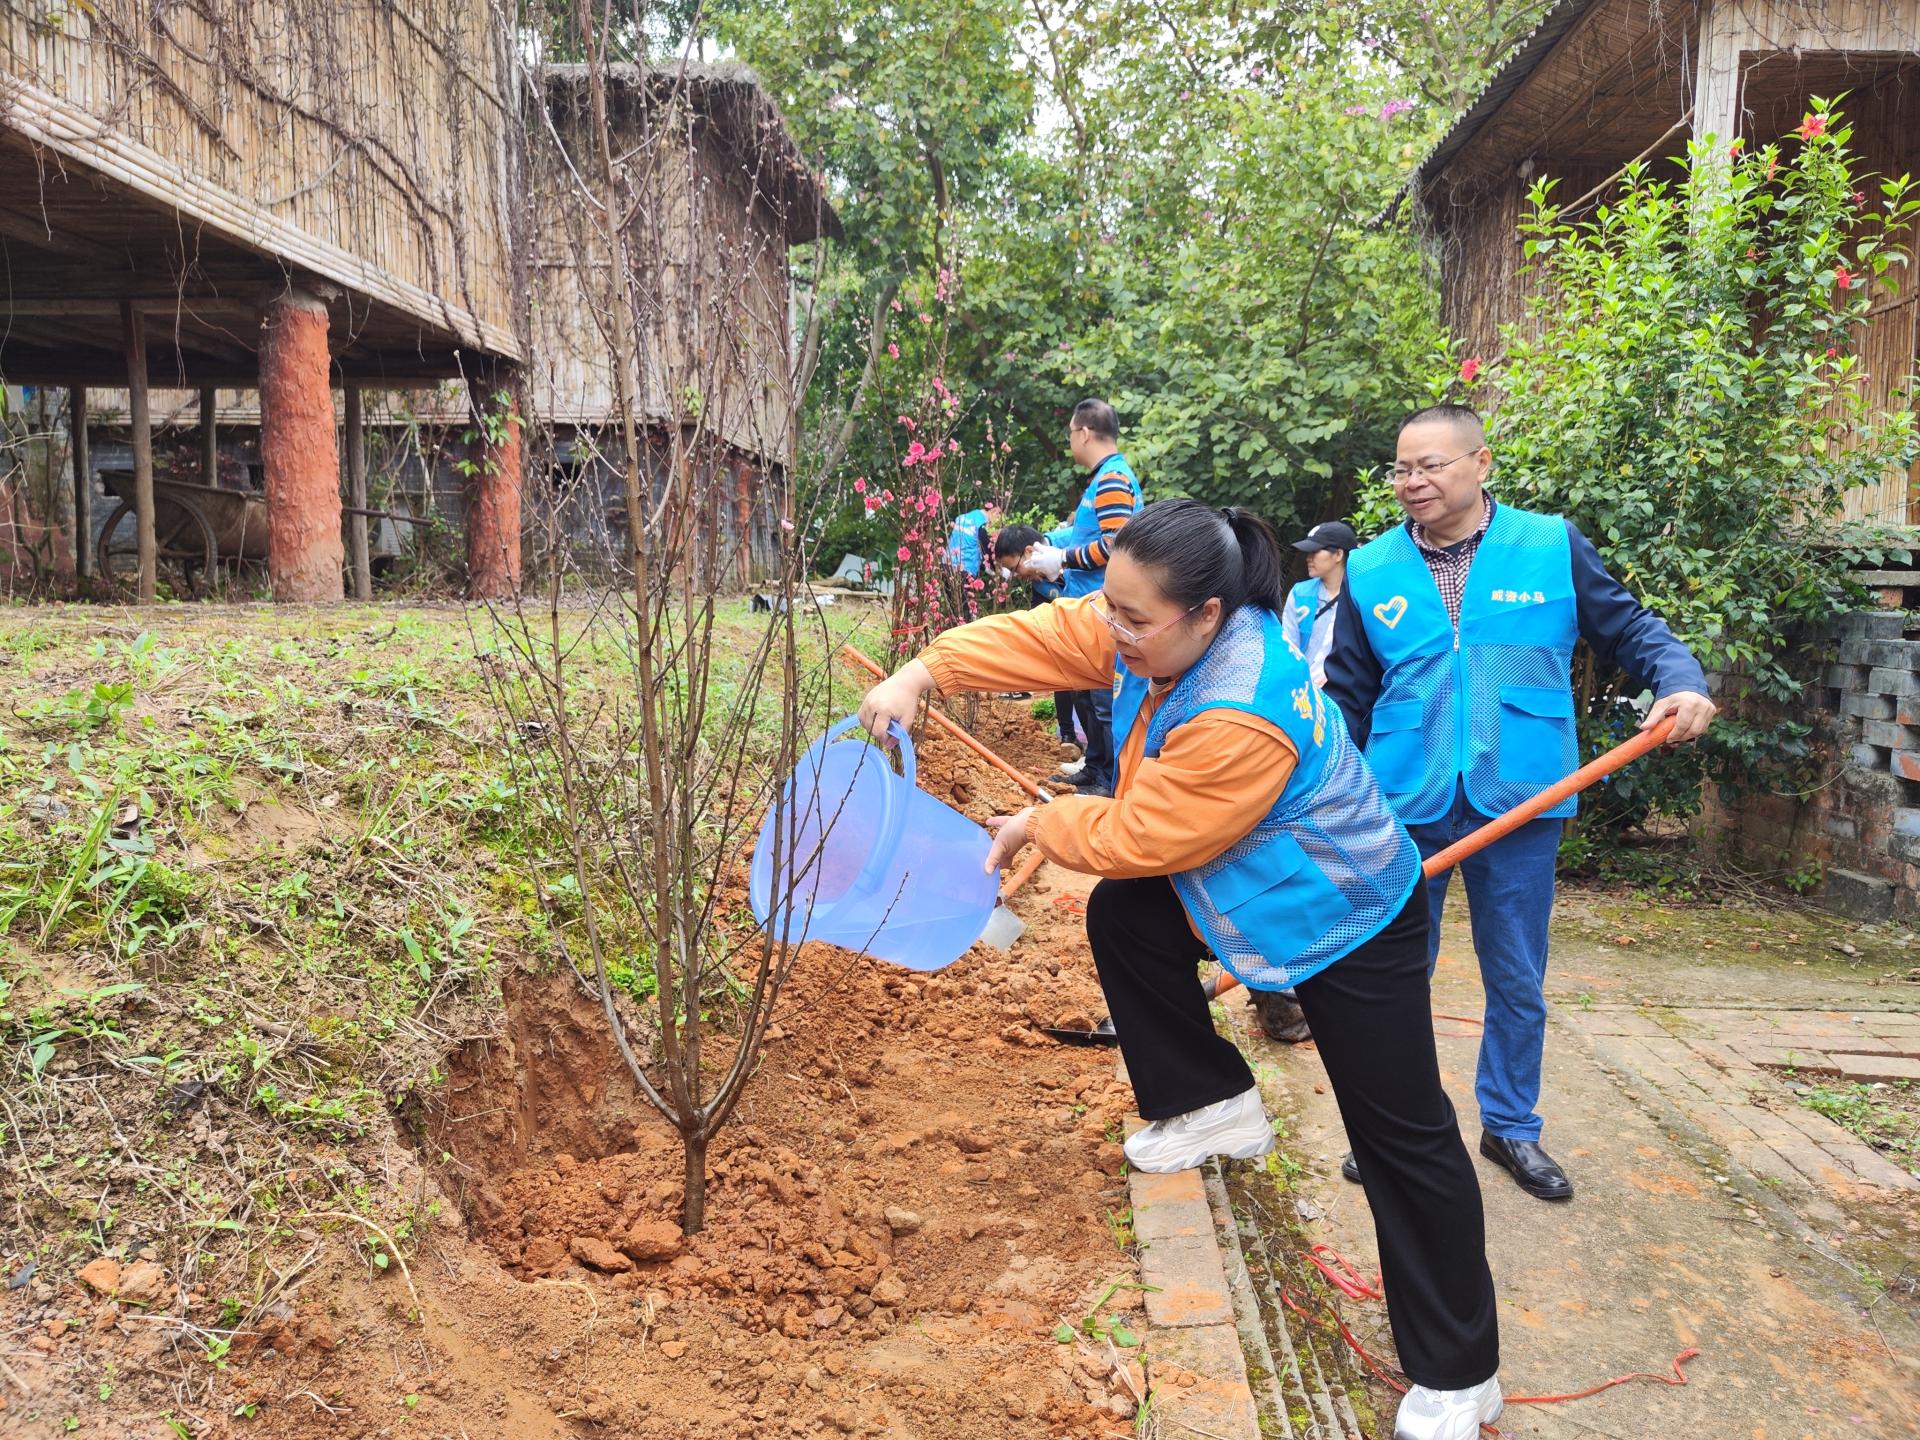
x=1688, y=391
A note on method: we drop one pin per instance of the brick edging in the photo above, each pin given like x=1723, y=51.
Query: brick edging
x=1190, y=1316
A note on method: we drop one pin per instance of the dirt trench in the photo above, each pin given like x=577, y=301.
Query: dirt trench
x=916, y=1189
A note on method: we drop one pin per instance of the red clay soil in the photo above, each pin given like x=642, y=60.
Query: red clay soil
x=1007, y=728
x=916, y=1189
x=913, y=1194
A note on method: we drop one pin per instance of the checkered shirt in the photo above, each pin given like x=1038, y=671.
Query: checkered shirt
x=1450, y=565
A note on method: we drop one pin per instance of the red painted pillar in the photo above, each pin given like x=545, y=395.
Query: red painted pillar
x=494, y=484
x=299, y=452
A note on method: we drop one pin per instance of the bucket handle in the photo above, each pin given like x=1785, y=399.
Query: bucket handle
x=909, y=769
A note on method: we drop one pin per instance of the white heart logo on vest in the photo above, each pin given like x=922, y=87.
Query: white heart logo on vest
x=1389, y=612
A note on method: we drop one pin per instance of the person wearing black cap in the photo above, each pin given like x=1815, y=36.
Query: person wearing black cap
x=1310, y=606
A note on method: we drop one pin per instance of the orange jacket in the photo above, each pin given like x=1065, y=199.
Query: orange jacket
x=1214, y=779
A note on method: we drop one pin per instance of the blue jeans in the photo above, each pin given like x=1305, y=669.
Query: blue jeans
x=1096, y=716
x=1509, y=901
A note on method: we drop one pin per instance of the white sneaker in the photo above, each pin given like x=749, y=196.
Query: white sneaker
x=1448, y=1414
x=1236, y=1128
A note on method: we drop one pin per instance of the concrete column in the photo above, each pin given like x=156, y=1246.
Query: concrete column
x=494, y=485
x=298, y=451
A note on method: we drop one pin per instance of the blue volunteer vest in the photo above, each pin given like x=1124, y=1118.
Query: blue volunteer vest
x=1085, y=528
x=963, y=545
x=1492, y=704
x=1329, y=865
x=1303, y=603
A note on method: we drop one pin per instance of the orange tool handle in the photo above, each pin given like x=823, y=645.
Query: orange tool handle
x=1442, y=861
x=954, y=729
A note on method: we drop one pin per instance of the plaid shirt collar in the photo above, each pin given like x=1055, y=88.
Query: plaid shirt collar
x=1466, y=546
x=1449, y=564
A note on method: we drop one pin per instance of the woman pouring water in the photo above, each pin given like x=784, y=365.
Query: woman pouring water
x=1244, y=822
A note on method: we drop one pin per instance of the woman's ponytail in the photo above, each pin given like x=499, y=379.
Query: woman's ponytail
x=1262, y=574
x=1198, y=551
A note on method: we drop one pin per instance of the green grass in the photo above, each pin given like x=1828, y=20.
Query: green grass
x=1886, y=1116
x=255, y=867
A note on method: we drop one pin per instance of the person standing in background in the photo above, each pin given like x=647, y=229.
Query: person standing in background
x=968, y=547
x=1451, y=660
x=1310, y=604
x=1012, y=549
x=1077, y=557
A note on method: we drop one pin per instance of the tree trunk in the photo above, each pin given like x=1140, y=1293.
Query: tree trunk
x=693, y=1214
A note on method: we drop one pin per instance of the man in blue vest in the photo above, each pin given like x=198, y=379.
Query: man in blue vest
x=1451, y=655
x=1111, y=497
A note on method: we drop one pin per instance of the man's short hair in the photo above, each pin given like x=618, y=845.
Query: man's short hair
x=1096, y=417
x=1463, y=418
x=1012, y=541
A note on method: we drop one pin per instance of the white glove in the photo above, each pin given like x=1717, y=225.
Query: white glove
x=1045, y=562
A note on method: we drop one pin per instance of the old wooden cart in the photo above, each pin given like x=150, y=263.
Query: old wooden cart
x=195, y=529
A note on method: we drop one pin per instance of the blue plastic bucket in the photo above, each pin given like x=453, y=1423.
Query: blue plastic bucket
x=869, y=861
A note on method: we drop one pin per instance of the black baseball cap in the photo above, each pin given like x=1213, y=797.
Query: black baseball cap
x=1332, y=535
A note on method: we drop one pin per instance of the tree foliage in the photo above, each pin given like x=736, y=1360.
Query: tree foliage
x=1688, y=390
x=1165, y=202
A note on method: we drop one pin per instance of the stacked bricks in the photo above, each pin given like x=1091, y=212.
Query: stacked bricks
x=1863, y=824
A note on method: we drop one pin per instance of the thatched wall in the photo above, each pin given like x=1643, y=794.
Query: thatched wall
x=366, y=142
x=1627, y=79
x=717, y=194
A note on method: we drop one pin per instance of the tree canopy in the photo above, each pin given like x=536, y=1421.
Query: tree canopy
x=1167, y=203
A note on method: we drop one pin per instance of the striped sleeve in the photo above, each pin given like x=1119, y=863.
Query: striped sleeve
x=1113, y=507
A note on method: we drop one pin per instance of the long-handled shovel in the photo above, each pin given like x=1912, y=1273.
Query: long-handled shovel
x=1443, y=860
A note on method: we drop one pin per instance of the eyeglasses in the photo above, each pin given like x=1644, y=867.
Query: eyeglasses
x=1409, y=472
x=1137, y=637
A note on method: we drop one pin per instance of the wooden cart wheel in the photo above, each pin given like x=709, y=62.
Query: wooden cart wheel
x=184, y=550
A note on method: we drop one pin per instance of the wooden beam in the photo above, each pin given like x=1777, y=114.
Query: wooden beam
x=135, y=327
x=69, y=307
x=357, y=548
x=209, y=441
x=32, y=230
x=82, y=485
x=89, y=358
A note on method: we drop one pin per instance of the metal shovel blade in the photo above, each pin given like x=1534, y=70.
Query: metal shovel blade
x=1101, y=1034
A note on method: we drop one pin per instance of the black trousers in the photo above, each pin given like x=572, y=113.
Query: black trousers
x=1372, y=1023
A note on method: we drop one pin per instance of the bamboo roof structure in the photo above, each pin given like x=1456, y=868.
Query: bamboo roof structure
x=196, y=161
x=740, y=121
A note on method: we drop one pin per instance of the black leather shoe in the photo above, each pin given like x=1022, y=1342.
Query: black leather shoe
x=1533, y=1170
x=1350, y=1168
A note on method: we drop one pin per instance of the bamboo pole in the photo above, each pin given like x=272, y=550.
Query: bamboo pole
x=357, y=496
x=82, y=486
x=135, y=326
